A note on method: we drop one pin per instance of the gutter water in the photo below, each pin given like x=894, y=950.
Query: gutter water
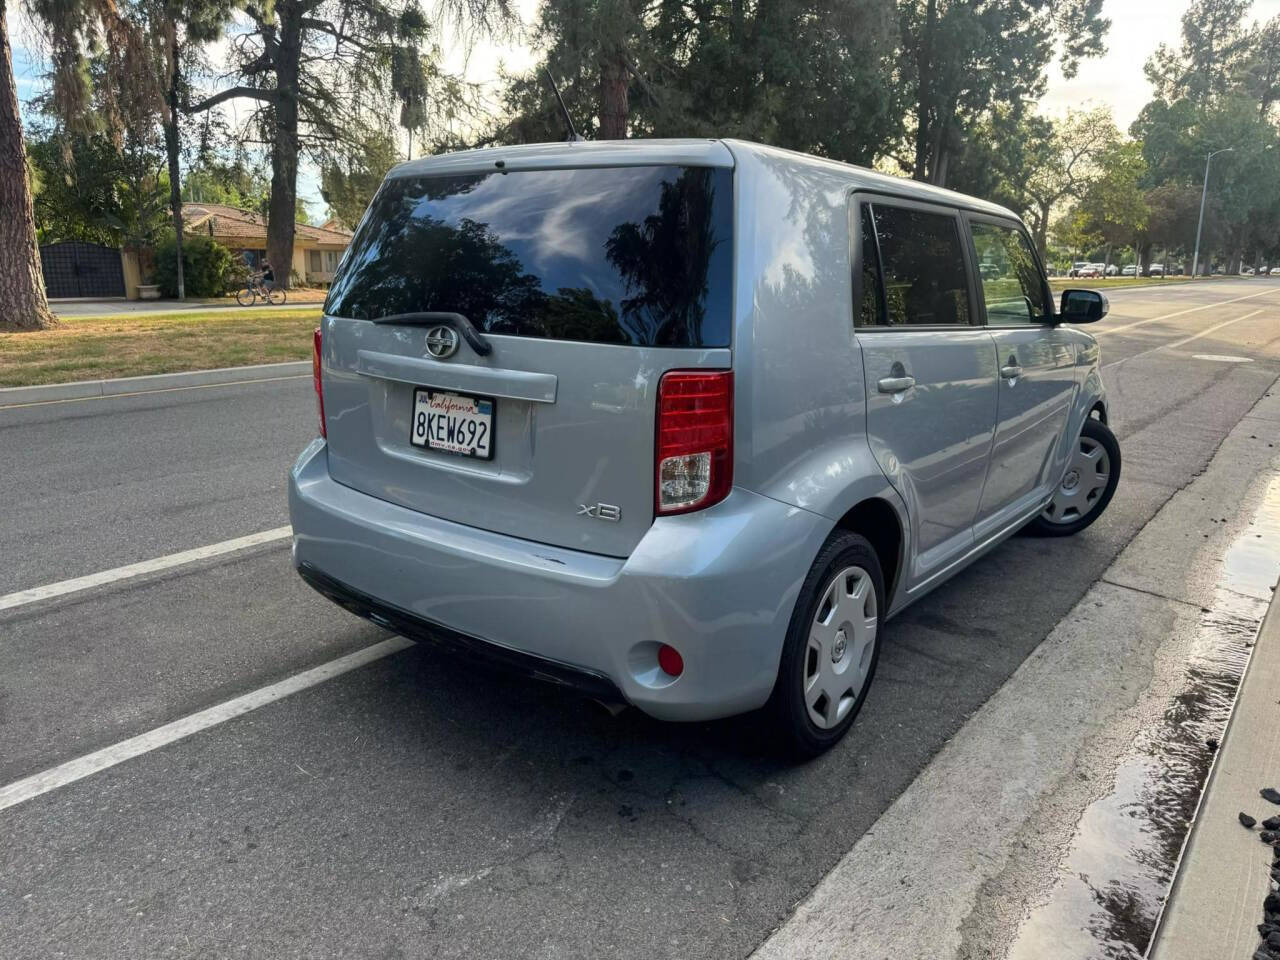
x=1126, y=848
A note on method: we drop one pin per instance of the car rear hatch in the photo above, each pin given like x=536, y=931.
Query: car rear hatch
x=494, y=341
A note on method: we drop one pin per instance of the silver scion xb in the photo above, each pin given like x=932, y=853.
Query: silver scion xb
x=682, y=423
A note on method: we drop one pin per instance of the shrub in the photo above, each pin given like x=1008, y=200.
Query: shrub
x=209, y=268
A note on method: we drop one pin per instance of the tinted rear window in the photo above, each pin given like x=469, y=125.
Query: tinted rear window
x=631, y=255
x=925, y=282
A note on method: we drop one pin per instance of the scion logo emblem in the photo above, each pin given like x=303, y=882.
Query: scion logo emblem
x=442, y=342
x=600, y=511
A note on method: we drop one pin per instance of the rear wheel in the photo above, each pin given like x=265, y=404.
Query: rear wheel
x=1087, y=485
x=832, y=646
x=246, y=297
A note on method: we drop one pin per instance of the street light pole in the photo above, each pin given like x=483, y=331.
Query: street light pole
x=1204, y=190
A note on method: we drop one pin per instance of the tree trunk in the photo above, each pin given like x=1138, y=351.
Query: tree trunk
x=1041, y=237
x=172, y=147
x=284, y=147
x=23, y=304
x=941, y=162
x=924, y=93
x=614, y=106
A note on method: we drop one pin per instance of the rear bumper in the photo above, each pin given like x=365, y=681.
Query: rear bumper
x=718, y=585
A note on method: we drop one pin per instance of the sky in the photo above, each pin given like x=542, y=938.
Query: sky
x=1114, y=79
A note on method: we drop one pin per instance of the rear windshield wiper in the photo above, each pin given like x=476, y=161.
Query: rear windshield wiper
x=456, y=320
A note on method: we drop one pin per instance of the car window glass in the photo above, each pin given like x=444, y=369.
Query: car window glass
x=1011, y=285
x=637, y=255
x=923, y=267
x=869, y=314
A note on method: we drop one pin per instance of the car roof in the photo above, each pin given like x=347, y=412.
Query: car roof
x=862, y=178
x=679, y=152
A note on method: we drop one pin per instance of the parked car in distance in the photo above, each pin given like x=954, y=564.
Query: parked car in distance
x=1130, y=270
x=690, y=447
x=1156, y=270
x=1078, y=268
x=1112, y=270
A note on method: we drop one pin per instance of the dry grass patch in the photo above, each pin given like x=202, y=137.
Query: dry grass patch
x=130, y=345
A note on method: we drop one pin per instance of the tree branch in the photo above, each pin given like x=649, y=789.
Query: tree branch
x=324, y=26
x=250, y=93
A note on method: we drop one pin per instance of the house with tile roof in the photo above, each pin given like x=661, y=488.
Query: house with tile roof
x=316, y=250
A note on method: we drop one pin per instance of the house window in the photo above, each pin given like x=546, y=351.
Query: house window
x=331, y=260
x=315, y=261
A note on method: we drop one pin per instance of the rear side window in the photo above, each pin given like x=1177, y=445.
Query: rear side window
x=922, y=267
x=626, y=255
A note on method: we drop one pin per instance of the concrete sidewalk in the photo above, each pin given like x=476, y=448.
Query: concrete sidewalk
x=116, y=306
x=960, y=864
x=1216, y=903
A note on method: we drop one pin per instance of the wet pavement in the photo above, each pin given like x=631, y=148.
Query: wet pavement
x=1126, y=847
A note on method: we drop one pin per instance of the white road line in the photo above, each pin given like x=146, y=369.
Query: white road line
x=1170, y=316
x=144, y=393
x=1183, y=341
x=73, y=770
x=63, y=587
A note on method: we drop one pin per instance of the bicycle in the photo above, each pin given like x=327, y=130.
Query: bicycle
x=259, y=290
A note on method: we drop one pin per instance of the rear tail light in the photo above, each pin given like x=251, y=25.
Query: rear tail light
x=694, y=440
x=315, y=376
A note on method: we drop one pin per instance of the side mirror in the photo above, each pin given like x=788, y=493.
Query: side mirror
x=1082, y=306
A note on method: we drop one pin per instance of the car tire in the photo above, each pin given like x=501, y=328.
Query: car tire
x=844, y=588
x=1073, y=508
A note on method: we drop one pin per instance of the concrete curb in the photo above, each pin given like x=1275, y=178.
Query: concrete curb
x=957, y=865
x=1216, y=901
x=121, y=386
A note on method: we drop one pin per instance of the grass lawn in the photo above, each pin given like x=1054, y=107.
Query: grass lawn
x=129, y=345
x=1111, y=283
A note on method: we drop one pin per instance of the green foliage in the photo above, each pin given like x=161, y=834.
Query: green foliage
x=1215, y=43
x=349, y=182
x=234, y=183
x=209, y=268
x=92, y=190
x=1217, y=90
x=1112, y=206
x=805, y=74
x=962, y=59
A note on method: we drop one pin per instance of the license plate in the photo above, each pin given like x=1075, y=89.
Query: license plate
x=452, y=422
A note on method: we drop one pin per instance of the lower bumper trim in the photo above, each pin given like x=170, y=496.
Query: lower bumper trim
x=421, y=629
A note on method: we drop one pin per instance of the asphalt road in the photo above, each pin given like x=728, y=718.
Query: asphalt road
x=420, y=806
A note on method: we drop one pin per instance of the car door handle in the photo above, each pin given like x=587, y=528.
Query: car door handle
x=1011, y=372
x=896, y=384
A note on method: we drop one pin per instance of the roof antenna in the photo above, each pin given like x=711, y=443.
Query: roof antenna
x=574, y=136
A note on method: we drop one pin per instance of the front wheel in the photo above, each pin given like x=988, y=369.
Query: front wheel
x=832, y=647
x=1086, y=487
x=276, y=295
x=247, y=297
